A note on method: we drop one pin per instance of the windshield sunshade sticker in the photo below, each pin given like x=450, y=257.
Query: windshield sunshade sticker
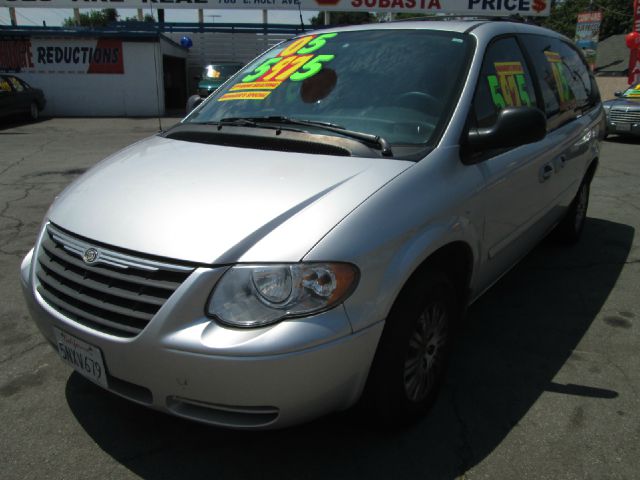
x=509, y=88
x=255, y=86
x=297, y=63
x=562, y=85
x=259, y=95
x=633, y=92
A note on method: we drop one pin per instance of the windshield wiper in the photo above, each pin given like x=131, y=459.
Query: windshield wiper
x=367, y=138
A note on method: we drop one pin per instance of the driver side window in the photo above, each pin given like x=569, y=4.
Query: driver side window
x=505, y=81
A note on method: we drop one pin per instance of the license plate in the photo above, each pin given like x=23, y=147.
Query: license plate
x=623, y=127
x=85, y=358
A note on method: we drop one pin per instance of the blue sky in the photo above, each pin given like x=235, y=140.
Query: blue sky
x=55, y=16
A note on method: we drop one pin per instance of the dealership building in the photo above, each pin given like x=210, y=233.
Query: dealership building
x=128, y=69
x=88, y=73
x=143, y=70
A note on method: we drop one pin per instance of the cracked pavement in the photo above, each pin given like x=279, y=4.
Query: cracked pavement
x=544, y=381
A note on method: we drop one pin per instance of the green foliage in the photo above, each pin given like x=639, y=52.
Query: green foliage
x=617, y=16
x=95, y=18
x=344, y=18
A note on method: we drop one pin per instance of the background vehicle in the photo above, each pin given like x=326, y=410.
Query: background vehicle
x=311, y=235
x=18, y=97
x=623, y=113
x=213, y=75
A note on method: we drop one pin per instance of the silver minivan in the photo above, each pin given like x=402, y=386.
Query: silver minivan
x=309, y=238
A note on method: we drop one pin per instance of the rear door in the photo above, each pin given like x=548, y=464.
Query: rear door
x=22, y=96
x=572, y=104
x=7, y=97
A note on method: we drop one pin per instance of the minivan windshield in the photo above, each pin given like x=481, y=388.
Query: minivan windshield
x=398, y=84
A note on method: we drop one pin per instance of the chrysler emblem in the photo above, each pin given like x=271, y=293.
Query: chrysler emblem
x=90, y=255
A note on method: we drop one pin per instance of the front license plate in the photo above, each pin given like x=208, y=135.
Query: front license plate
x=623, y=127
x=84, y=357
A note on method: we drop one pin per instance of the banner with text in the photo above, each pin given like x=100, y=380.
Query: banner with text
x=44, y=55
x=634, y=54
x=453, y=7
x=587, y=33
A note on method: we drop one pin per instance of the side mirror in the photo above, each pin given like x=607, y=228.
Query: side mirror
x=513, y=127
x=617, y=94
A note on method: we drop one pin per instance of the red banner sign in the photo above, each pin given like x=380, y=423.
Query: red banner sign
x=52, y=55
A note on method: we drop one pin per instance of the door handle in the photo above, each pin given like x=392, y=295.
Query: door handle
x=546, y=171
x=562, y=159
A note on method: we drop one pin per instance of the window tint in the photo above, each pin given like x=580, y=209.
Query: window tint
x=504, y=81
x=567, y=86
x=4, y=85
x=17, y=86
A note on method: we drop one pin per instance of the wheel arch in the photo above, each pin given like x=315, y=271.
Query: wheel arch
x=454, y=258
x=591, y=170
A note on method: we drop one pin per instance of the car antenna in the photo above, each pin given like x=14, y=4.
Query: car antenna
x=300, y=12
x=155, y=66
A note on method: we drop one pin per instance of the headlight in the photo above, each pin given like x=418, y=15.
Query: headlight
x=257, y=295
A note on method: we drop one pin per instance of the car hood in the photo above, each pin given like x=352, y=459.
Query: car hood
x=632, y=103
x=216, y=204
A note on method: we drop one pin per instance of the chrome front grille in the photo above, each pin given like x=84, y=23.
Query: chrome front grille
x=113, y=292
x=620, y=116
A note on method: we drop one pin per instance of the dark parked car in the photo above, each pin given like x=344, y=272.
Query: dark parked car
x=623, y=113
x=18, y=97
x=213, y=75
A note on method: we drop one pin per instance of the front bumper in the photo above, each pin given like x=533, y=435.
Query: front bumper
x=623, y=128
x=186, y=364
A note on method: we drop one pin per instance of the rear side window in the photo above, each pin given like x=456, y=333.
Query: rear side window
x=567, y=87
x=17, y=86
x=504, y=82
x=4, y=86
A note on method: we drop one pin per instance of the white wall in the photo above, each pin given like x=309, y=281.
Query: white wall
x=132, y=93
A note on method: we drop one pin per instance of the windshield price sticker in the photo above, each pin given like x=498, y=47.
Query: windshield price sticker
x=508, y=88
x=562, y=85
x=297, y=62
x=86, y=359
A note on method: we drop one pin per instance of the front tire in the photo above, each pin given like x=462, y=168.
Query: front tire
x=34, y=111
x=413, y=352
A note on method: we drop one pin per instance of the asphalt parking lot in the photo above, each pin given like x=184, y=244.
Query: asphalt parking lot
x=545, y=381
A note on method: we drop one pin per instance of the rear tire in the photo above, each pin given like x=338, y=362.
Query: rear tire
x=570, y=228
x=413, y=352
x=34, y=111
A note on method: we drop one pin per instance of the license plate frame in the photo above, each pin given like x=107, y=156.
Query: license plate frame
x=623, y=127
x=84, y=358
